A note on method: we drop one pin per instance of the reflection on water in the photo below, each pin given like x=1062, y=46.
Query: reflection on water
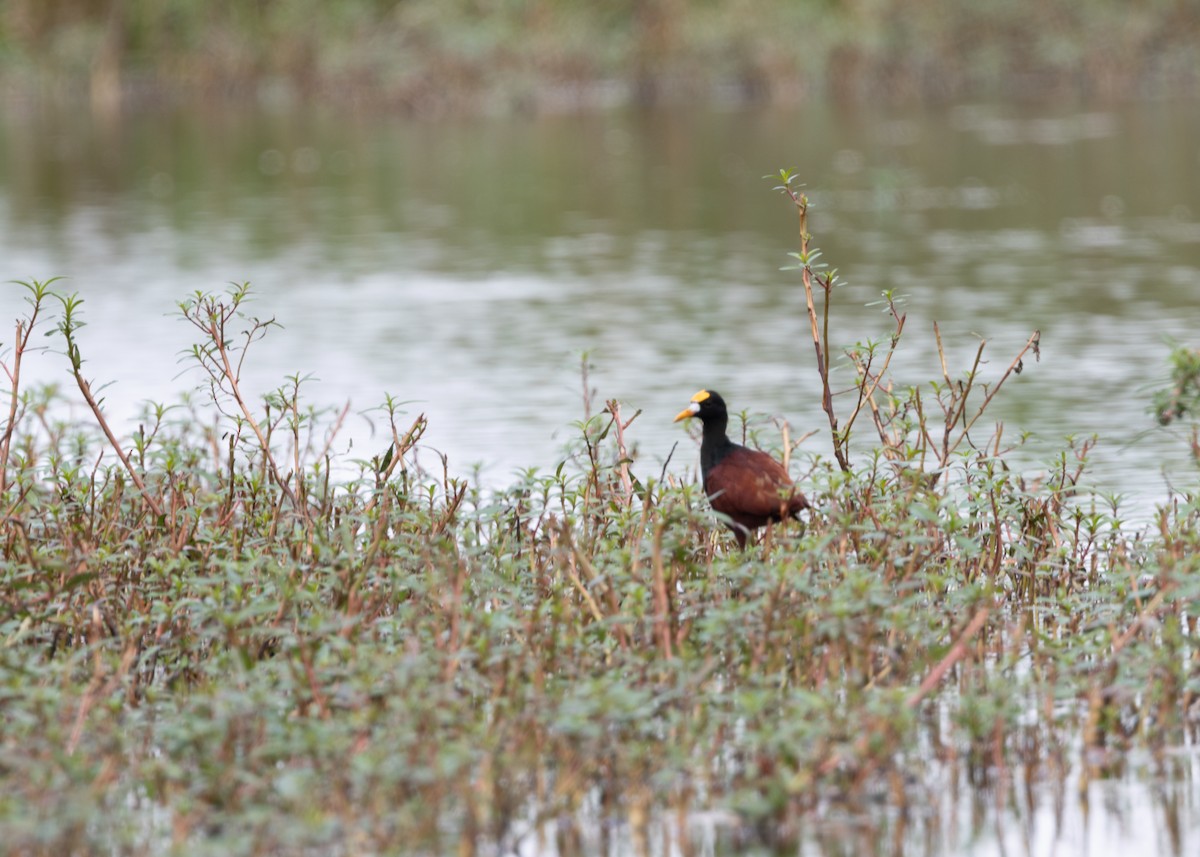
x=1150, y=811
x=465, y=266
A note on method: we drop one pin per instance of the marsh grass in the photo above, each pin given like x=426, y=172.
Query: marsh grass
x=211, y=644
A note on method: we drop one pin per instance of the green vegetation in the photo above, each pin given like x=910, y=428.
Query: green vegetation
x=438, y=55
x=1180, y=399
x=212, y=641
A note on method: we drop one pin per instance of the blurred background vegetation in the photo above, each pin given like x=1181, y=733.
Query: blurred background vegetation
x=430, y=56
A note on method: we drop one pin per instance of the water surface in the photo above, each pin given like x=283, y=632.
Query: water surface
x=465, y=266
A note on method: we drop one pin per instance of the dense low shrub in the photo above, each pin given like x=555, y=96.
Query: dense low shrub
x=216, y=638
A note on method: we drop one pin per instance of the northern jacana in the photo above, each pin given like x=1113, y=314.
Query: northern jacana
x=749, y=487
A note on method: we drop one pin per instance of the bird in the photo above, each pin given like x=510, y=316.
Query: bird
x=746, y=485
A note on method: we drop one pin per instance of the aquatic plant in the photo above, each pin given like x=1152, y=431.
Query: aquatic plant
x=213, y=642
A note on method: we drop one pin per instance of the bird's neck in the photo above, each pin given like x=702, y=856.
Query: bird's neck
x=714, y=445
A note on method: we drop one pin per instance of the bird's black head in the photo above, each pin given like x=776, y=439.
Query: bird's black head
x=708, y=406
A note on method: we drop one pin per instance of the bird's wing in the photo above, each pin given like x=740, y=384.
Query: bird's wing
x=749, y=482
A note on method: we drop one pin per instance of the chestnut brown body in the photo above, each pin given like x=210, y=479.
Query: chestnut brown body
x=748, y=486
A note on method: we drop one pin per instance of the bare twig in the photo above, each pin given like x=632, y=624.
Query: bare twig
x=614, y=407
x=38, y=291
x=820, y=339
x=958, y=410
x=211, y=315
x=68, y=327
x=956, y=653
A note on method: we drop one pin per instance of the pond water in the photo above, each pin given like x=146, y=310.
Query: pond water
x=466, y=266
x=1141, y=806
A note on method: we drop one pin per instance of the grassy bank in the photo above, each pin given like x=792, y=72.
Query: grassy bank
x=433, y=56
x=211, y=644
